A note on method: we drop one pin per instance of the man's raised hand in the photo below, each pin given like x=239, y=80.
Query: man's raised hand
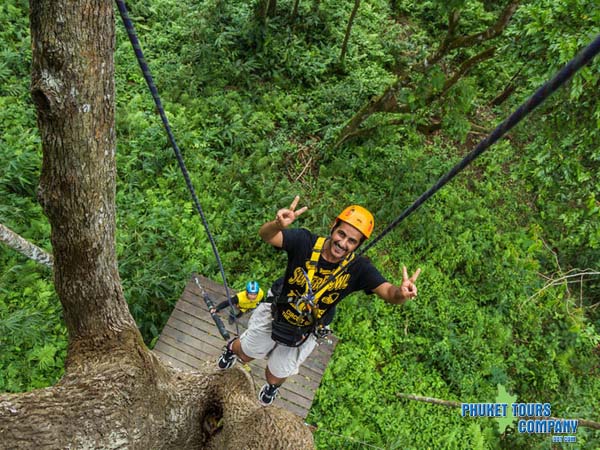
x=286, y=216
x=408, y=286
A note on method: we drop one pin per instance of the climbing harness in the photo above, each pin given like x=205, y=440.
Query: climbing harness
x=306, y=305
x=150, y=82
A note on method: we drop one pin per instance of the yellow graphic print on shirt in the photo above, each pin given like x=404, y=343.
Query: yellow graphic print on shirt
x=298, y=288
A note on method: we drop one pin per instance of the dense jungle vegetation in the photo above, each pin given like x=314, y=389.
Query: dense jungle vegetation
x=267, y=103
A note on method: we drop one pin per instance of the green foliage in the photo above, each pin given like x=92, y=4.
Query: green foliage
x=32, y=339
x=253, y=107
x=507, y=399
x=561, y=158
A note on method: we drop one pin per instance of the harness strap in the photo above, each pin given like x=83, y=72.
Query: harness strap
x=335, y=273
x=314, y=260
x=312, y=267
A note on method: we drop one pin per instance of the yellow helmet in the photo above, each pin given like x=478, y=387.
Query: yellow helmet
x=359, y=217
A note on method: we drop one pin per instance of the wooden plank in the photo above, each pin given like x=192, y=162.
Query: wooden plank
x=307, y=371
x=305, y=377
x=295, y=402
x=317, y=364
x=181, y=322
x=293, y=397
x=175, y=353
x=292, y=390
x=168, y=359
x=210, y=285
x=299, y=411
x=196, y=343
x=200, y=313
x=197, y=348
x=196, y=355
x=197, y=311
x=186, y=313
x=190, y=340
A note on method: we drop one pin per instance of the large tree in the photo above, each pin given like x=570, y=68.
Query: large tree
x=115, y=392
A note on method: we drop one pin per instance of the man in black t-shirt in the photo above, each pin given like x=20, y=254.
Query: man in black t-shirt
x=320, y=272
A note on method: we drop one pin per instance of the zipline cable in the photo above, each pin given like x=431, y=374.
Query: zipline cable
x=150, y=82
x=580, y=60
x=541, y=94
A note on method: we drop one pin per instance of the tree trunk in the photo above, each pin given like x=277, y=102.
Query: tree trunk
x=295, y=9
x=23, y=246
x=115, y=392
x=385, y=102
x=348, y=30
x=266, y=9
x=73, y=90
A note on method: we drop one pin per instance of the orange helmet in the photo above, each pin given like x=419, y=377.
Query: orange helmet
x=359, y=218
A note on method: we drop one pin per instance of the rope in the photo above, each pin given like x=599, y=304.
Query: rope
x=580, y=60
x=542, y=93
x=150, y=82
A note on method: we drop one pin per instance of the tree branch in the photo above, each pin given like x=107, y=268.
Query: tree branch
x=492, y=32
x=508, y=90
x=435, y=401
x=454, y=404
x=465, y=67
x=23, y=246
x=348, y=29
x=387, y=101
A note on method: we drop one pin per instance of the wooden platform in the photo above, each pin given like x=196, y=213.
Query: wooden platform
x=191, y=340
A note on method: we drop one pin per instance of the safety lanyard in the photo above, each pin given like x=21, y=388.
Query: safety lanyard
x=314, y=261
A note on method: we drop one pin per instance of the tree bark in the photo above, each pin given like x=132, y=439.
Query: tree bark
x=73, y=89
x=115, y=392
x=23, y=246
x=266, y=9
x=295, y=9
x=348, y=31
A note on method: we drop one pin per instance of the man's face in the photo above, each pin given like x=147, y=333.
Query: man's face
x=251, y=295
x=344, y=239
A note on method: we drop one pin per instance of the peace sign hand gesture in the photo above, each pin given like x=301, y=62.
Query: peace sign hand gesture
x=286, y=216
x=408, y=286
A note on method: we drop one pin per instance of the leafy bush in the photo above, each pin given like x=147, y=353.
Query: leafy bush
x=255, y=108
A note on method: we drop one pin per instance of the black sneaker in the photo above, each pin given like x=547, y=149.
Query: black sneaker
x=267, y=394
x=227, y=358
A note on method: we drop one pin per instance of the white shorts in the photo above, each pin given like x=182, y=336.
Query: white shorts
x=256, y=342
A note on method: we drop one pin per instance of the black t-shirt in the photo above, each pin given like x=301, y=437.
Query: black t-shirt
x=299, y=243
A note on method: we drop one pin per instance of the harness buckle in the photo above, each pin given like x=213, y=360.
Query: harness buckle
x=306, y=303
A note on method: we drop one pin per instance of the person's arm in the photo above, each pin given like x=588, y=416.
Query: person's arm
x=225, y=304
x=271, y=232
x=398, y=295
